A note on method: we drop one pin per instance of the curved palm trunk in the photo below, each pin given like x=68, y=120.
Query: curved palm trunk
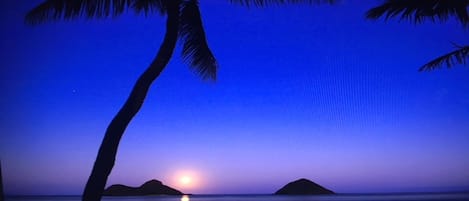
x=107, y=152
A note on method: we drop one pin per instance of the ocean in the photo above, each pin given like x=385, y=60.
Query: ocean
x=339, y=197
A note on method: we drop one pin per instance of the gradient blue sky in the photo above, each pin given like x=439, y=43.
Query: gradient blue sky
x=315, y=92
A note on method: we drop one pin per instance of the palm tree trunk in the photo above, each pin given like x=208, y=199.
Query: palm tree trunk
x=108, y=149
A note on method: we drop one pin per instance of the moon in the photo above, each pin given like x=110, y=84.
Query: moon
x=185, y=180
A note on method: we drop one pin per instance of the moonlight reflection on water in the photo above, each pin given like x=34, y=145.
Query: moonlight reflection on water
x=185, y=198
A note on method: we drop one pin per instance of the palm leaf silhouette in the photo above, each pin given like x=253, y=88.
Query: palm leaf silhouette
x=420, y=10
x=195, y=50
x=71, y=9
x=52, y=10
x=262, y=3
x=458, y=56
x=148, y=7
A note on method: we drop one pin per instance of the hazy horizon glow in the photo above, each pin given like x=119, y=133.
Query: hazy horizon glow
x=302, y=92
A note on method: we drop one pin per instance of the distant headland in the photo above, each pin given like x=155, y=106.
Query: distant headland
x=152, y=187
x=303, y=187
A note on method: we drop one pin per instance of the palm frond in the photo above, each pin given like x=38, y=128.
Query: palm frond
x=150, y=6
x=70, y=9
x=420, y=10
x=195, y=50
x=263, y=3
x=458, y=56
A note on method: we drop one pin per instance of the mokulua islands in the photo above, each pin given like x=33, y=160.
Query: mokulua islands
x=303, y=187
x=152, y=187
x=155, y=187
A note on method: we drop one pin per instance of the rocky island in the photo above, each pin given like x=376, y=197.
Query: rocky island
x=303, y=187
x=152, y=187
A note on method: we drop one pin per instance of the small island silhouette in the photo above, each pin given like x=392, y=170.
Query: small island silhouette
x=155, y=187
x=303, y=187
x=152, y=187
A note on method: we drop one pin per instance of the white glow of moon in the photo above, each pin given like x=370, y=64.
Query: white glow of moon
x=185, y=180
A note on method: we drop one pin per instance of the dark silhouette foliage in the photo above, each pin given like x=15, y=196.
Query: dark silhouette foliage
x=263, y=3
x=195, y=50
x=458, y=56
x=418, y=11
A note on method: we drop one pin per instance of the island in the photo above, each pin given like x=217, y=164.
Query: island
x=152, y=187
x=303, y=187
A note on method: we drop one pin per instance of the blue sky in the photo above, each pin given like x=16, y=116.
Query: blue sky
x=302, y=91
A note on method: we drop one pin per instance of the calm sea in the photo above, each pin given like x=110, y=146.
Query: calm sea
x=348, y=197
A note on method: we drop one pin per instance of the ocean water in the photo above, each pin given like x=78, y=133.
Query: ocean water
x=344, y=197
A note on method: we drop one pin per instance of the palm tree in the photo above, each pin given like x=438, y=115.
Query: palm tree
x=420, y=10
x=183, y=23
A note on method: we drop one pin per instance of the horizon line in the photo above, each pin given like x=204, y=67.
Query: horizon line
x=251, y=194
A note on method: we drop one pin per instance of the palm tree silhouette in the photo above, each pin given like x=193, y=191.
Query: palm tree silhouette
x=420, y=10
x=183, y=23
